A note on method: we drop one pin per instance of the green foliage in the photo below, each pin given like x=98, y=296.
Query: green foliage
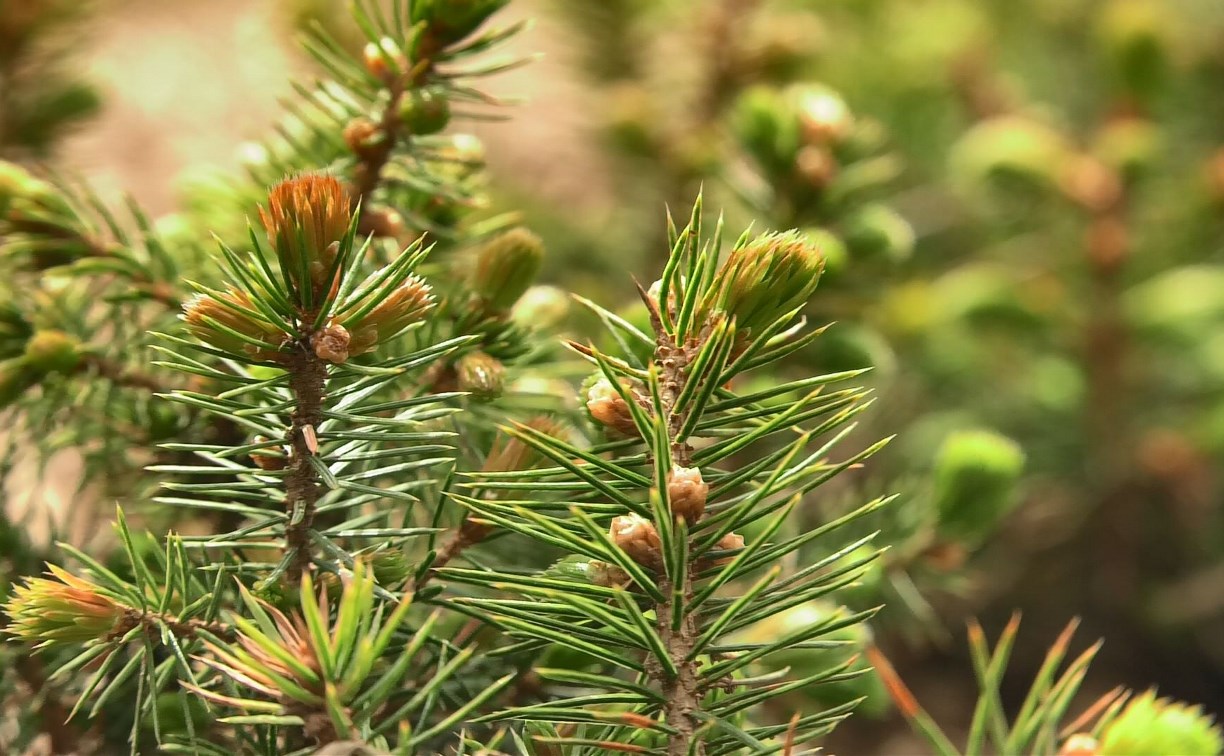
x=379, y=505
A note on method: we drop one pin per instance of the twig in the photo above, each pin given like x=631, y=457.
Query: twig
x=307, y=380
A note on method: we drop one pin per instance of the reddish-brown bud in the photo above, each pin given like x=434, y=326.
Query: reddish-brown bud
x=331, y=343
x=362, y=136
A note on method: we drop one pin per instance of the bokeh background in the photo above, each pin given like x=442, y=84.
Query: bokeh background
x=1023, y=206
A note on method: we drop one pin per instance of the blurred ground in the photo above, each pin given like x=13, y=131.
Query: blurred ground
x=185, y=83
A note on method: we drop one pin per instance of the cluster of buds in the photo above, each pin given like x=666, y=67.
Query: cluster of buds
x=65, y=610
x=767, y=278
x=403, y=306
x=686, y=493
x=505, y=267
x=608, y=408
x=307, y=219
x=637, y=537
x=230, y=322
x=804, y=132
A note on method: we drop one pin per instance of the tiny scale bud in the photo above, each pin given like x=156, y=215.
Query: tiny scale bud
x=637, y=537
x=686, y=492
x=609, y=408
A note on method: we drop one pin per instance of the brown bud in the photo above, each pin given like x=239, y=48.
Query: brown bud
x=608, y=575
x=687, y=491
x=817, y=166
x=383, y=222
x=233, y=310
x=637, y=537
x=331, y=343
x=306, y=219
x=362, y=136
x=609, y=408
x=265, y=459
x=729, y=542
x=1092, y=184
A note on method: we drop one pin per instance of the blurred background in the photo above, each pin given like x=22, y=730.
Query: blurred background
x=1021, y=204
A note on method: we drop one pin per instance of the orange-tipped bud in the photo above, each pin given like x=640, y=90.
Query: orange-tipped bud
x=229, y=322
x=65, y=610
x=408, y=303
x=307, y=218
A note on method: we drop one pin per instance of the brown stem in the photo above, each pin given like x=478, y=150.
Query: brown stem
x=368, y=173
x=307, y=380
x=681, y=691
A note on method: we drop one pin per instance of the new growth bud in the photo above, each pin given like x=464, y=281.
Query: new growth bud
x=362, y=136
x=975, y=480
x=66, y=610
x=228, y=321
x=307, y=219
x=383, y=59
x=767, y=278
x=686, y=492
x=1151, y=725
x=609, y=409
x=637, y=537
x=408, y=303
x=823, y=115
x=505, y=266
x=53, y=351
